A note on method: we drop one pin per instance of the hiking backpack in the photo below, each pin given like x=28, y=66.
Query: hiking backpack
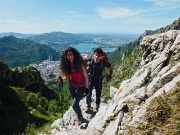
x=104, y=56
x=96, y=71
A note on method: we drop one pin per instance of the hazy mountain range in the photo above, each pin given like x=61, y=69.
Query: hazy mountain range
x=18, y=49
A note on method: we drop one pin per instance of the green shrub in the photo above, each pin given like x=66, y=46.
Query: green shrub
x=53, y=106
x=31, y=100
x=41, y=109
x=31, y=129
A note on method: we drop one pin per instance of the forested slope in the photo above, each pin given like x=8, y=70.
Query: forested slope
x=22, y=52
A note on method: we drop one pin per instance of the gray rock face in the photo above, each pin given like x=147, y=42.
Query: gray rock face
x=157, y=75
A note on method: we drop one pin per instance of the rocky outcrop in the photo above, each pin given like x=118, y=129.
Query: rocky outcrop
x=158, y=75
x=174, y=26
x=20, y=77
x=28, y=78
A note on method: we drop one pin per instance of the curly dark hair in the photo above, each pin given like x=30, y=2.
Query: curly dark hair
x=65, y=65
x=99, y=51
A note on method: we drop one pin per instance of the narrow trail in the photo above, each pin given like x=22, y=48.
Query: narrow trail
x=69, y=126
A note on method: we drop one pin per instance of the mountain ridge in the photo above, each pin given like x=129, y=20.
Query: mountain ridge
x=22, y=52
x=127, y=49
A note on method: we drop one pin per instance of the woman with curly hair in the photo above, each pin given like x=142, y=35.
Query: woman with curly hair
x=73, y=67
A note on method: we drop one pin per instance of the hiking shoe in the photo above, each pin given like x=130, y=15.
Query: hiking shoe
x=96, y=109
x=87, y=109
x=79, y=120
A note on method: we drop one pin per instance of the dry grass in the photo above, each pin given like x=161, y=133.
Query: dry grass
x=164, y=114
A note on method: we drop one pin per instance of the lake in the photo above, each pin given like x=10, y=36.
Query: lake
x=88, y=47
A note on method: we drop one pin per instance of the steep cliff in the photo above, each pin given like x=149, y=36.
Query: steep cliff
x=127, y=113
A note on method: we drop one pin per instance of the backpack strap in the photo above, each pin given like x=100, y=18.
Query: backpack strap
x=103, y=68
x=92, y=64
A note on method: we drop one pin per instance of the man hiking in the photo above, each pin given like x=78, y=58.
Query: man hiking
x=95, y=76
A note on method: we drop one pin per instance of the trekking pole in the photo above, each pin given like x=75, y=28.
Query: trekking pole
x=61, y=96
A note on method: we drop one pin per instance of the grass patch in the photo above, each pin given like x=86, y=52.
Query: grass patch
x=163, y=114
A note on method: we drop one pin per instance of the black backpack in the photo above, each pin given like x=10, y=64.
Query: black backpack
x=96, y=69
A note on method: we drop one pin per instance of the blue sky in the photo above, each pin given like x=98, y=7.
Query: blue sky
x=86, y=16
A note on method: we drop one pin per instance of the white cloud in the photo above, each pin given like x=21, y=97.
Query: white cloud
x=165, y=3
x=162, y=7
x=12, y=21
x=118, y=12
